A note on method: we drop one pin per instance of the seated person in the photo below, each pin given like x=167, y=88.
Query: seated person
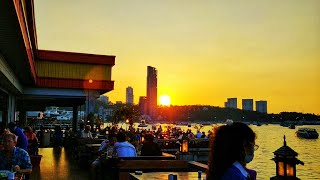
x=14, y=157
x=86, y=133
x=32, y=141
x=22, y=141
x=150, y=148
x=122, y=148
x=3, y=131
x=107, y=147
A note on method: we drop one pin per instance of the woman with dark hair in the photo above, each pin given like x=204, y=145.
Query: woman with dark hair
x=232, y=147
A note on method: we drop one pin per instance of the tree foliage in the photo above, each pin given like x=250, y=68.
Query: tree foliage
x=124, y=113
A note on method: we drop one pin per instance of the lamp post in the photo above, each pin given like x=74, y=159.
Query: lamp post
x=286, y=161
x=127, y=122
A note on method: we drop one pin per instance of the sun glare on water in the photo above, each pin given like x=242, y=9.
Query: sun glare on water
x=165, y=100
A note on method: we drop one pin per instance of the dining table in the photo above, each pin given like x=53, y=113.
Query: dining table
x=165, y=175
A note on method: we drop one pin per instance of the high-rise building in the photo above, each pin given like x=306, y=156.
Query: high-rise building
x=247, y=104
x=261, y=106
x=143, y=106
x=129, y=95
x=104, y=99
x=231, y=103
x=152, y=94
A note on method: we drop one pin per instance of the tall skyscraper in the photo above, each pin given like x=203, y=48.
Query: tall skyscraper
x=129, y=95
x=152, y=94
x=143, y=106
x=247, y=104
x=231, y=103
x=261, y=106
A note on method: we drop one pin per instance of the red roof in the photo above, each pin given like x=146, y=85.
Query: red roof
x=76, y=57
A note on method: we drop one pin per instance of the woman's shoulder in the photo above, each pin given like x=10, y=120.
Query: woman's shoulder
x=233, y=173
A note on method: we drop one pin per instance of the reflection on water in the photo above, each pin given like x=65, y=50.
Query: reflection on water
x=270, y=138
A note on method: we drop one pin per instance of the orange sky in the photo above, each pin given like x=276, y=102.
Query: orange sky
x=205, y=51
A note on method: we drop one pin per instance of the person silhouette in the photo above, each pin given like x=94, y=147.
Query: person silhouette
x=232, y=147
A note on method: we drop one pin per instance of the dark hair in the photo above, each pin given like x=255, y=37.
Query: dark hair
x=227, y=147
x=121, y=137
x=149, y=137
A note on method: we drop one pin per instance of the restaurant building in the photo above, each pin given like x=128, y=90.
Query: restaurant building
x=32, y=79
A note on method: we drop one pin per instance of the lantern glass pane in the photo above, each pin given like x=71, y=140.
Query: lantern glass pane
x=290, y=170
x=184, y=146
x=280, y=169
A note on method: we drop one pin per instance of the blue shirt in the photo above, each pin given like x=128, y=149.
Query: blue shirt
x=235, y=172
x=20, y=157
x=22, y=141
x=124, y=149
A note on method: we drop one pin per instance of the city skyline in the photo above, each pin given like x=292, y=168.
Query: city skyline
x=206, y=51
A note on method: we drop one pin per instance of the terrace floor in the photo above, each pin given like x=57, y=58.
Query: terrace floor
x=57, y=164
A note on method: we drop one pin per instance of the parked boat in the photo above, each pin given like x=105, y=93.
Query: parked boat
x=307, y=133
x=292, y=126
x=143, y=123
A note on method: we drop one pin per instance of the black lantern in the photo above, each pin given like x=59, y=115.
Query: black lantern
x=286, y=161
x=184, y=147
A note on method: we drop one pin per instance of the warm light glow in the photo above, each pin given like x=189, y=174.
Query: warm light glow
x=200, y=60
x=184, y=146
x=127, y=121
x=165, y=100
x=290, y=171
x=281, y=169
x=90, y=80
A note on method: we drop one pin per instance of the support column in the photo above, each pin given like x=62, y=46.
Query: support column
x=11, y=108
x=22, y=118
x=75, y=118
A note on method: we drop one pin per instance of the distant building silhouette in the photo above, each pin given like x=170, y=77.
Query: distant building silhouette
x=152, y=94
x=143, y=106
x=261, y=106
x=119, y=102
x=247, y=104
x=129, y=95
x=231, y=103
x=104, y=99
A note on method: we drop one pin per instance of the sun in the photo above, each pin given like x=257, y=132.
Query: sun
x=165, y=100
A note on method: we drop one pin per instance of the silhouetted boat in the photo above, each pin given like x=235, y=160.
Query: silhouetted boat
x=292, y=126
x=307, y=133
x=143, y=123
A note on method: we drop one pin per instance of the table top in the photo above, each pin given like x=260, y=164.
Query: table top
x=93, y=145
x=164, y=175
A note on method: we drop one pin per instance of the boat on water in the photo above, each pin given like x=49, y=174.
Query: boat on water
x=307, y=133
x=292, y=126
x=143, y=123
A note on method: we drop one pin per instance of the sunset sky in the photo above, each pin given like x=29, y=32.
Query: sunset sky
x=204, y=50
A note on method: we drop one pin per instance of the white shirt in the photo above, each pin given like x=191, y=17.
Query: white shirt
x=87, y=135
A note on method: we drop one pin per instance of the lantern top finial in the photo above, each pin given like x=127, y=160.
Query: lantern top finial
x=284, y=141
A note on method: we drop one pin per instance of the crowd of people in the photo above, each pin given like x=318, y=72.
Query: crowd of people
x=14, y=145
x=232, y=146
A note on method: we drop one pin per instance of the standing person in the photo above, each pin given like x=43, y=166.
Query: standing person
x=14, y=157
x=122, y=148
x=32, y=141
x=232, y=147
x=58, y=136
x=22, y=139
